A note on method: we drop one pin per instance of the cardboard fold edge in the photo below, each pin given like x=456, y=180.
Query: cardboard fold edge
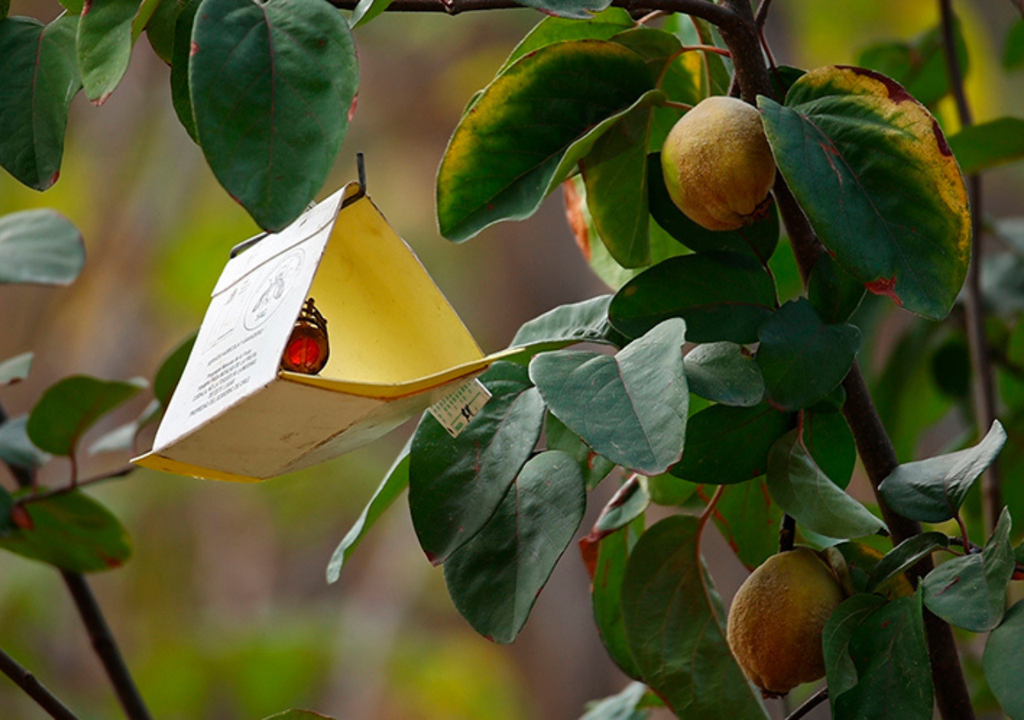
x=155, y=461
x=397, y=390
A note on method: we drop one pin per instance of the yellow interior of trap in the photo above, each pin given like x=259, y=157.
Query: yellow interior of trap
x=387, y=322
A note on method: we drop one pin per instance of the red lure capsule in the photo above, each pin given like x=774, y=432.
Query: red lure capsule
x=307, y=349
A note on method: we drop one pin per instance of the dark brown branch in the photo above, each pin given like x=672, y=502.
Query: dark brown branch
x=49, y=494
x=704, y=9
x=981, y=356
x=105, y=647
x=34, y=689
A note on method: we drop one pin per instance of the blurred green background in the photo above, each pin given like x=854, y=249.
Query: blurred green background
x=224, y=611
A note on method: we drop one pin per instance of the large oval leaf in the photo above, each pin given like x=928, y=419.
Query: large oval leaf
x=801, y=358
x=801, y=489
x=889, y=655
x=728, y=445
x=878, y=182
x=721, y=295
x=529, y=127
x=38, y=79
x=455, y=484
x=1003, y=658
x=70, y=531
x=70, y=407
x=724, y=373
x=609, y=570
x=39, y=246
x=970, y=591
x=495, y=578
x=105, y=45
x=675, y=625
x=749, y=521
x=932, y=490
x=272, y=86
x=630, y=408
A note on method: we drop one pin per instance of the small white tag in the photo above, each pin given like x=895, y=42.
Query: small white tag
x=457, y=410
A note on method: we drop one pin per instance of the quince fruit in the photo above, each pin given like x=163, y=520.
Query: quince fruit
x=777, y=617
x=717, y=164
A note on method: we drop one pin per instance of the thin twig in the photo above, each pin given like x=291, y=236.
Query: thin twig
x=761, y=16
x=105, y=647
x=809, y=704
x=50, y=494
x=981, y=357
x=34, y=689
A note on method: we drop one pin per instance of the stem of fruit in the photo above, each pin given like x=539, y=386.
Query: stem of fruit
x=873, y=443
x=981, y=356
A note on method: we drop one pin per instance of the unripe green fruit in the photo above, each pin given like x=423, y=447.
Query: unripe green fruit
x=717, y=164
x=777, y=617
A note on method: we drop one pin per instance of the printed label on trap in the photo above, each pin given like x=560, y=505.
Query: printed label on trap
x=457, y=410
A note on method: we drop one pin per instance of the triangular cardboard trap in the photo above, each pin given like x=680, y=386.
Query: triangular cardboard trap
x=396, y=347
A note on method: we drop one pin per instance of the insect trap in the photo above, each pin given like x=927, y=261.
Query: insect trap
x=318, y=339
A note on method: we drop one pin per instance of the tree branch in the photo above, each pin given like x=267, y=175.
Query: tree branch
x=974, y=314
x=105, y=647
x=704, y=9
x=34, y=689
x=812, y=702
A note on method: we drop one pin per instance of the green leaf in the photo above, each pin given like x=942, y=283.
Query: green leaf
x=594, y=467
x=5, y=8
x=675, y=626
x=728, y=445
x=760, y=239
x=721, y=296
x=988, y=145
x=1002, y=660
x=160, y=28
x=615, y=175
x=835, y=638
x=455, y=484
x=272, y=87
x=105, y=45
x=580, y=9
x=395, y=481
x=592, y=246
x=607, y=574
x=528, y=129
x=626, y=505
x=169, y=373
x=71, y=406
x=829, y=440
x=495, y=578
x=367, y=10
x=551, y=30
x=122, y=438
x=624, y=706
x=802, y=359
x=878, y=182
x=566, y=325
x=889, y=654
x=904, y=556
x=749, y=521
x=725, y=373
x=630, y=408
x=39, y=246
x=181, y=94
x=72, y=532
x=14, y=370
x=16, y=449
x=38, y=79
x=933, y=490
x=832, y=292
x=802, y=490
x=919, y=64
x=1013, y=51
x=970, y=591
